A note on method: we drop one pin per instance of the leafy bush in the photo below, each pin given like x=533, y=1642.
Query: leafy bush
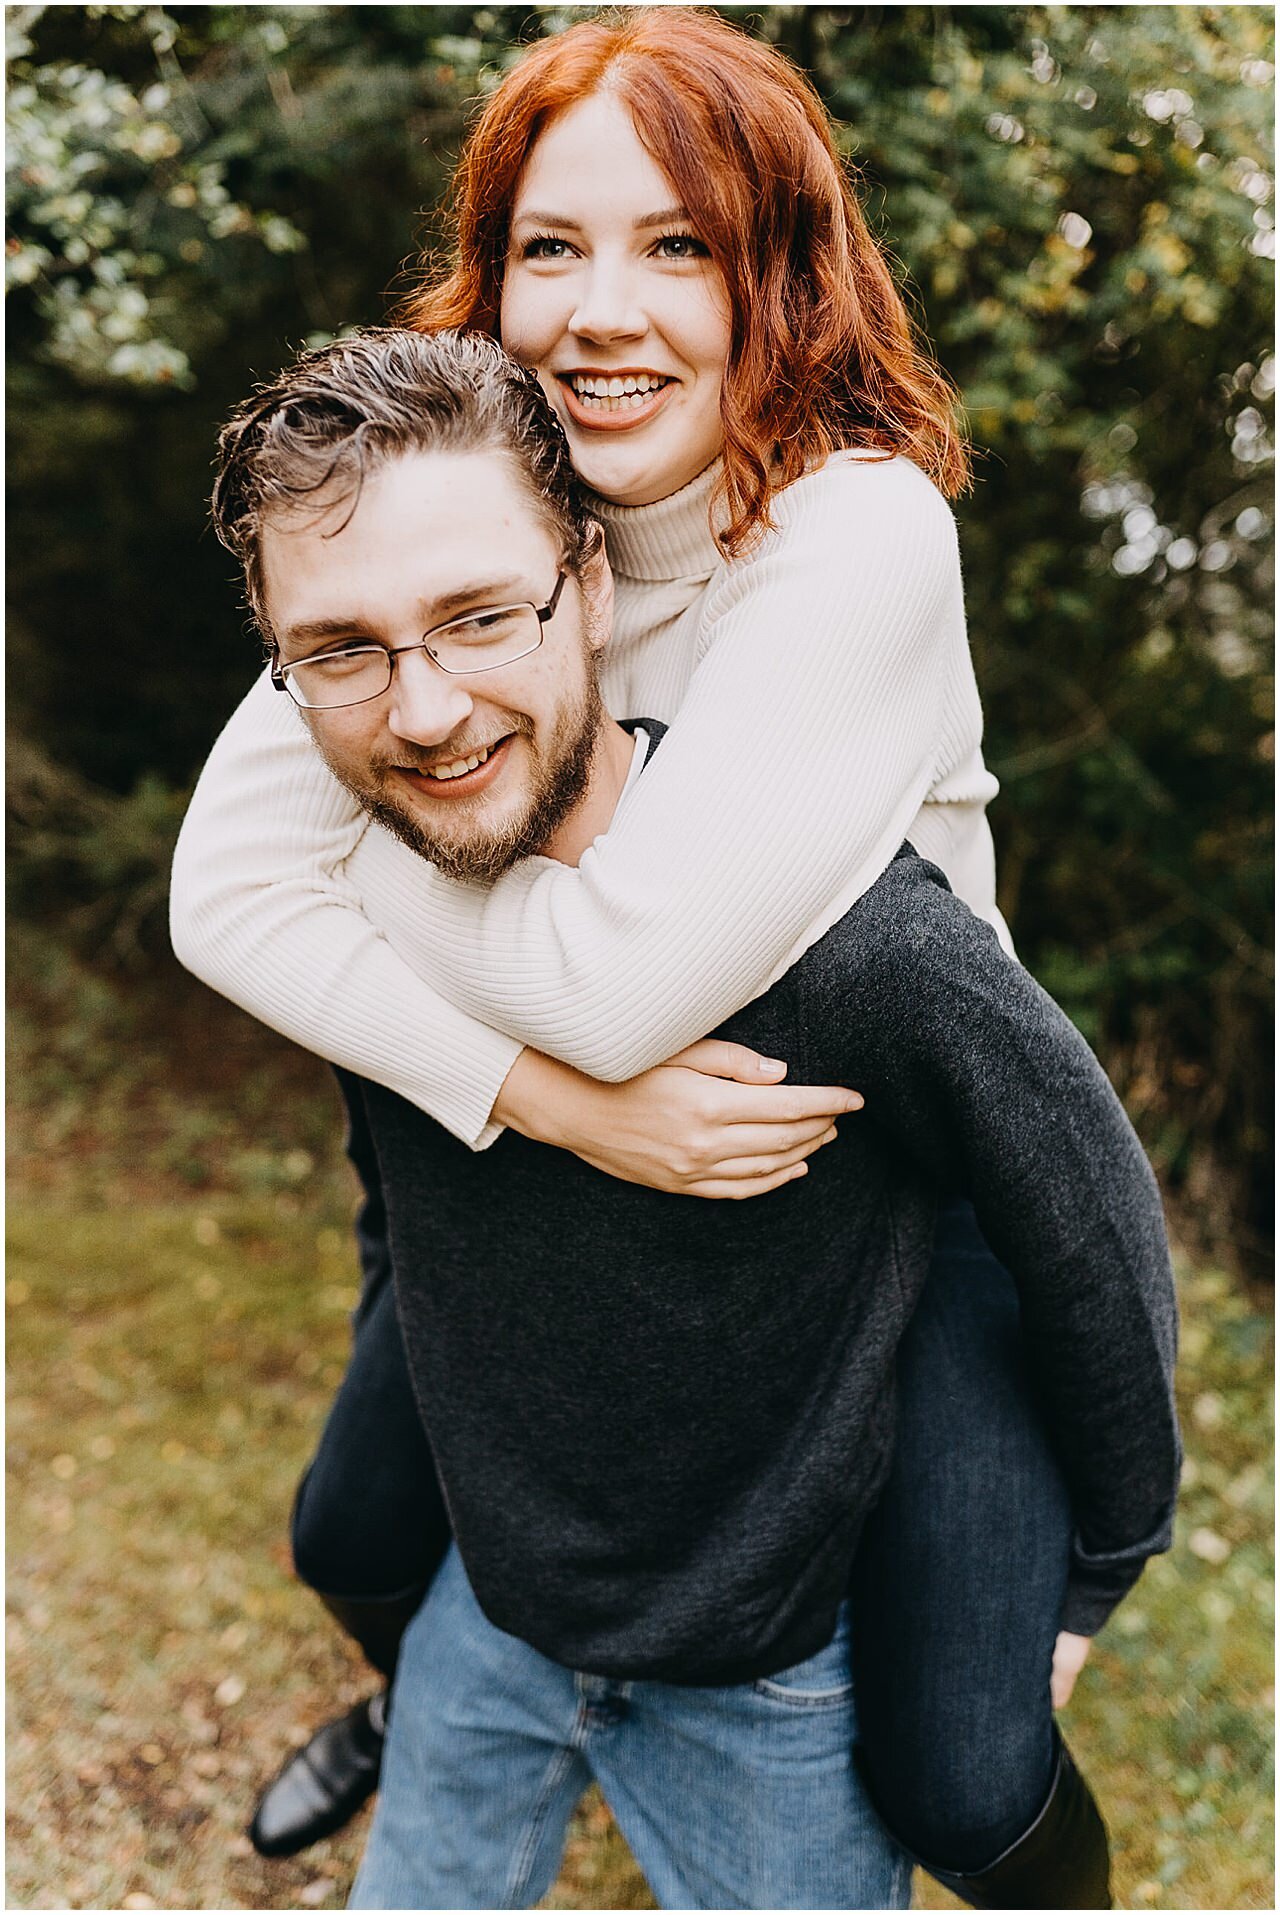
x=1082, y=203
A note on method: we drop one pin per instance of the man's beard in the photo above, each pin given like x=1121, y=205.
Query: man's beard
x=558, y=784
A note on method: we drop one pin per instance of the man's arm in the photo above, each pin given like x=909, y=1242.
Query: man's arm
x=982, y=1078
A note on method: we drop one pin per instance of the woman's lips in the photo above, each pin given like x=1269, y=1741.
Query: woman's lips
x=604, y=419
x=466, y=784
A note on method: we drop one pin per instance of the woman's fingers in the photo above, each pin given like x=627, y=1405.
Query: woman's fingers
x=750, y=1169
x=716, y=1057
x=1069, y=1656
x=781, y=1104
x=765, y=1097
x=735, y=1188
x=763, y=1143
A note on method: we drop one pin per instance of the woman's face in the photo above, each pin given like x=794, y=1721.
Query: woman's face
x=610, y=294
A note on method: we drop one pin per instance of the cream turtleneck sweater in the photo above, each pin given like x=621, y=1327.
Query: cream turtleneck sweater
x=822, y=708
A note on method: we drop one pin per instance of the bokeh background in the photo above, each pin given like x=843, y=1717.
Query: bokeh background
x=1080, y=201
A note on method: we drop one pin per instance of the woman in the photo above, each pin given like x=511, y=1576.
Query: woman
x=653, y=216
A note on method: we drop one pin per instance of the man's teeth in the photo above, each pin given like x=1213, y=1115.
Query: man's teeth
x=625, y=394
x=459, y=765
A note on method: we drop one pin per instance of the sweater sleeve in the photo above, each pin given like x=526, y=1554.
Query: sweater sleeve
x=812, y=731
x=259, y=908
x=981, y=1076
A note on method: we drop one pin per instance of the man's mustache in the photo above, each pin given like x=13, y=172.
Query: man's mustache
x=408, y=758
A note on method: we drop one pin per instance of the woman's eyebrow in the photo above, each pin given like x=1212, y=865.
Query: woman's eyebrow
x=533, y=216
x=669, y=216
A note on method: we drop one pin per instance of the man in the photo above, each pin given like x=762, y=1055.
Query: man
x=658, y=1427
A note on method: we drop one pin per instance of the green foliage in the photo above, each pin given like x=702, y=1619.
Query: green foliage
x=1084, y=201
x=117, y=208
x=1081, y=200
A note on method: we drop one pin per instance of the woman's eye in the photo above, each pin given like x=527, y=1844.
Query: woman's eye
x=680, y=246
x=544, y=246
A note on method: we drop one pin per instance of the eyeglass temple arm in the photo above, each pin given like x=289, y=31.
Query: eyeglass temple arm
x=548, y=611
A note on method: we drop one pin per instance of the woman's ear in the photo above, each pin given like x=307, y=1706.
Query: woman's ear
x=597, y=593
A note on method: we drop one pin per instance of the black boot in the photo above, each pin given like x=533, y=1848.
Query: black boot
x=320, y=1788
x=1062, y=1861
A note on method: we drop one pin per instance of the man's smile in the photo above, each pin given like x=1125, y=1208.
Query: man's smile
x=460, y=776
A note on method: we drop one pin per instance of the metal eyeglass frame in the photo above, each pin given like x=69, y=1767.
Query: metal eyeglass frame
x=543, y=613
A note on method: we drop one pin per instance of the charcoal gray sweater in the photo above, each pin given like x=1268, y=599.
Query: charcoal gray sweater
x=658, y=1423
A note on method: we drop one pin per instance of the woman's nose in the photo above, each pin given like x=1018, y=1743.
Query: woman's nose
x=609, y=304
x=426, y=705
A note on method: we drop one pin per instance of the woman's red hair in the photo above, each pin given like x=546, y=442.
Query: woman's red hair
x=822, y=353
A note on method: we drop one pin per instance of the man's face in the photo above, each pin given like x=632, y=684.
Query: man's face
x=435, y=537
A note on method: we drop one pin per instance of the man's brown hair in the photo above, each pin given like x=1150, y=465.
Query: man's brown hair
x=307, y=439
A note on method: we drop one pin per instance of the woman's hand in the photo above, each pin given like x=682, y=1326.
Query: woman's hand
x=714, y=1121
x=1070, y=1654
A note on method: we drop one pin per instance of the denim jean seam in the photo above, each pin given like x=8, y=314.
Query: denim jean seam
x=523, y=1860
x=803, y=1698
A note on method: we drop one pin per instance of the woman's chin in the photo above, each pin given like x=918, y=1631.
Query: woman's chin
x=631, y=474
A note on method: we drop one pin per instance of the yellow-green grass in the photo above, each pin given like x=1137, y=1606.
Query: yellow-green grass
x=179, y=1278
x=170, y=1361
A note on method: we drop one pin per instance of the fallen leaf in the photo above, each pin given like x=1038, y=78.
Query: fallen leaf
x=1207, y=1410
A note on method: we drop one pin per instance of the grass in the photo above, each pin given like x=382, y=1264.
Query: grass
x=178, y=1284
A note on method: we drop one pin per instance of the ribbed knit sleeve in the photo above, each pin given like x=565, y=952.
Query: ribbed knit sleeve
x=832, y=693
x=260, y=910
x=824, y=708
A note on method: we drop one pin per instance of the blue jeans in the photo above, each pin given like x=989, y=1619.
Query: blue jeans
x=741, y=1797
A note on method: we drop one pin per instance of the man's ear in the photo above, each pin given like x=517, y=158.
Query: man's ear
x=597, y=591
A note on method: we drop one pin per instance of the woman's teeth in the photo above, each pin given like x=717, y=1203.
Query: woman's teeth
x=625, y=394
x=459, y=765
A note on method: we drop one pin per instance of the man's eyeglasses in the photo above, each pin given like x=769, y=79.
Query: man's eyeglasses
x=352, y=674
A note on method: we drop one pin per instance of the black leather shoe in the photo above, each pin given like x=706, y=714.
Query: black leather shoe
x=320, y=1788
x=1063, y=1860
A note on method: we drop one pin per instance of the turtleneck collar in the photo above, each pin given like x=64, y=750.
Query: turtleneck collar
x=668, y=540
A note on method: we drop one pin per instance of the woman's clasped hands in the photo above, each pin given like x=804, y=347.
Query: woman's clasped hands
x=716, y=1120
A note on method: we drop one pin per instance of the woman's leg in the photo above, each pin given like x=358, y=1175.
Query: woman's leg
x=369, y=1525
x=957, y=1594
x=369, y=1531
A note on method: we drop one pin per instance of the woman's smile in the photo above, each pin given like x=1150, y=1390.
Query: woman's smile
x=612, y=295
x=602, y=401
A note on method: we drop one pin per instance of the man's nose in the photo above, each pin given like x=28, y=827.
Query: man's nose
x=609, y=306
x=426, y=705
